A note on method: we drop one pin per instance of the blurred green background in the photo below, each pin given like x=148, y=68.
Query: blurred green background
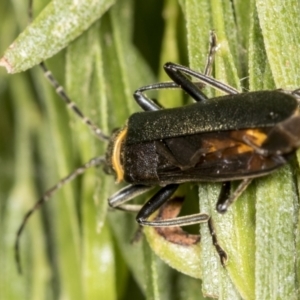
x=74, y=247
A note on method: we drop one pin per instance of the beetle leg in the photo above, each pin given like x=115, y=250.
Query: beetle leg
x=145, y=102
x=185, y=83
x=224, y=192
x=222, y=254
x=163, y=195
x=126, y=194
x=148, y=104
x=159, y=199
x=172, y=68
x=213, y=47
x=224, y=202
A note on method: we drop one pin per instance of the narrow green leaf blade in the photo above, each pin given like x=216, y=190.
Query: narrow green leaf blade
x=51, y=31
x=280, y=28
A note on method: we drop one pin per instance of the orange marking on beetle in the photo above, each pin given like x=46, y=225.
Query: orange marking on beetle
x=257, y=135
x=116, y=155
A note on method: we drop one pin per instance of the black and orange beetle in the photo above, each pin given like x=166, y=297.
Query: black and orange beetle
x=239, y=136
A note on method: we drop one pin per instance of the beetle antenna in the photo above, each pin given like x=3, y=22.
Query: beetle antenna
x=63, y=95
x=94, y=162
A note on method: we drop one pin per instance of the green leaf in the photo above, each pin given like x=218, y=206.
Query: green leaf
x=282, y=47
x=56, y=26
x=185, y=259
x=276, y=205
